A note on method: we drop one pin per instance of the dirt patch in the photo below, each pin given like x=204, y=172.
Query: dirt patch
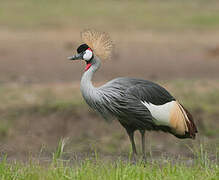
x=37, y=57
x=38, y=135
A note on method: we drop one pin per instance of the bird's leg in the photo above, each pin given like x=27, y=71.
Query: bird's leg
x=131, y=137
x=143, y=143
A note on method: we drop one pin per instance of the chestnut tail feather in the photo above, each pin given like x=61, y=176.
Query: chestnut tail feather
x=191, y=125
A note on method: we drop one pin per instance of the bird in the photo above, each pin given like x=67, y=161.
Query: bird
x=138, y=104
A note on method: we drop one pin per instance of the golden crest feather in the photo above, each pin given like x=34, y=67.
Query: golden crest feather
x=99, y=42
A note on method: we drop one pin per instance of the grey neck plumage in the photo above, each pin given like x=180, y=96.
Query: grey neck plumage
x=89, y=92
x=102, y=99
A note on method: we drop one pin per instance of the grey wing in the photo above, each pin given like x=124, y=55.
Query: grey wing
x=124, y=97
x=135, y=113
x=141, y=89
x=151, y=93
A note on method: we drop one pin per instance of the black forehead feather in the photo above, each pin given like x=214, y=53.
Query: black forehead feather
x=82, y=48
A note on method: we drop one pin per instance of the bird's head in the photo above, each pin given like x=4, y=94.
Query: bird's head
x=84, y=52
x=95, y=44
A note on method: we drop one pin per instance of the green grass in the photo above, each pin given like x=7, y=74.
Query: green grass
x=117, y=15
x=200, y=167
x=118, y=170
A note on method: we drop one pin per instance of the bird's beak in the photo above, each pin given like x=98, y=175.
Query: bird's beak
x=76, y=56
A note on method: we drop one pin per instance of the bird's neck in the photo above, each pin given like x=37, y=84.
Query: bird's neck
x=87, y=88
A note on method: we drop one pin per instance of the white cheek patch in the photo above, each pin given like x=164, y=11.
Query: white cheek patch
x=160, y=113
x=87, y=55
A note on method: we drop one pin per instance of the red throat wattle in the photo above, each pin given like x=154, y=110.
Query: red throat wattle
x=88, y=66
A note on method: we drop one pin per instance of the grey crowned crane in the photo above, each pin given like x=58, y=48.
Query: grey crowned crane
x=137, y=104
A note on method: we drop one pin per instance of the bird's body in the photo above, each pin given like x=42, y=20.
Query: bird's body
x=137, y=104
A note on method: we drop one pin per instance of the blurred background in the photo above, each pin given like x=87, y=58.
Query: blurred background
x=174, y=43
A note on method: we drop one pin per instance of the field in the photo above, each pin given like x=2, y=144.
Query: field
x=46, y=129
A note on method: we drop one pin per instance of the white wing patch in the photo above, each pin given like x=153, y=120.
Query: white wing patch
x=160, y=113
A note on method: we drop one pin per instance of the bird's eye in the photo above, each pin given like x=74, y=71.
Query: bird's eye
x=88, y=54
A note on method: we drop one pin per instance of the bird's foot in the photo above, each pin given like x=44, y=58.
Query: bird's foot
x=133, y=158
x=143, y=160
